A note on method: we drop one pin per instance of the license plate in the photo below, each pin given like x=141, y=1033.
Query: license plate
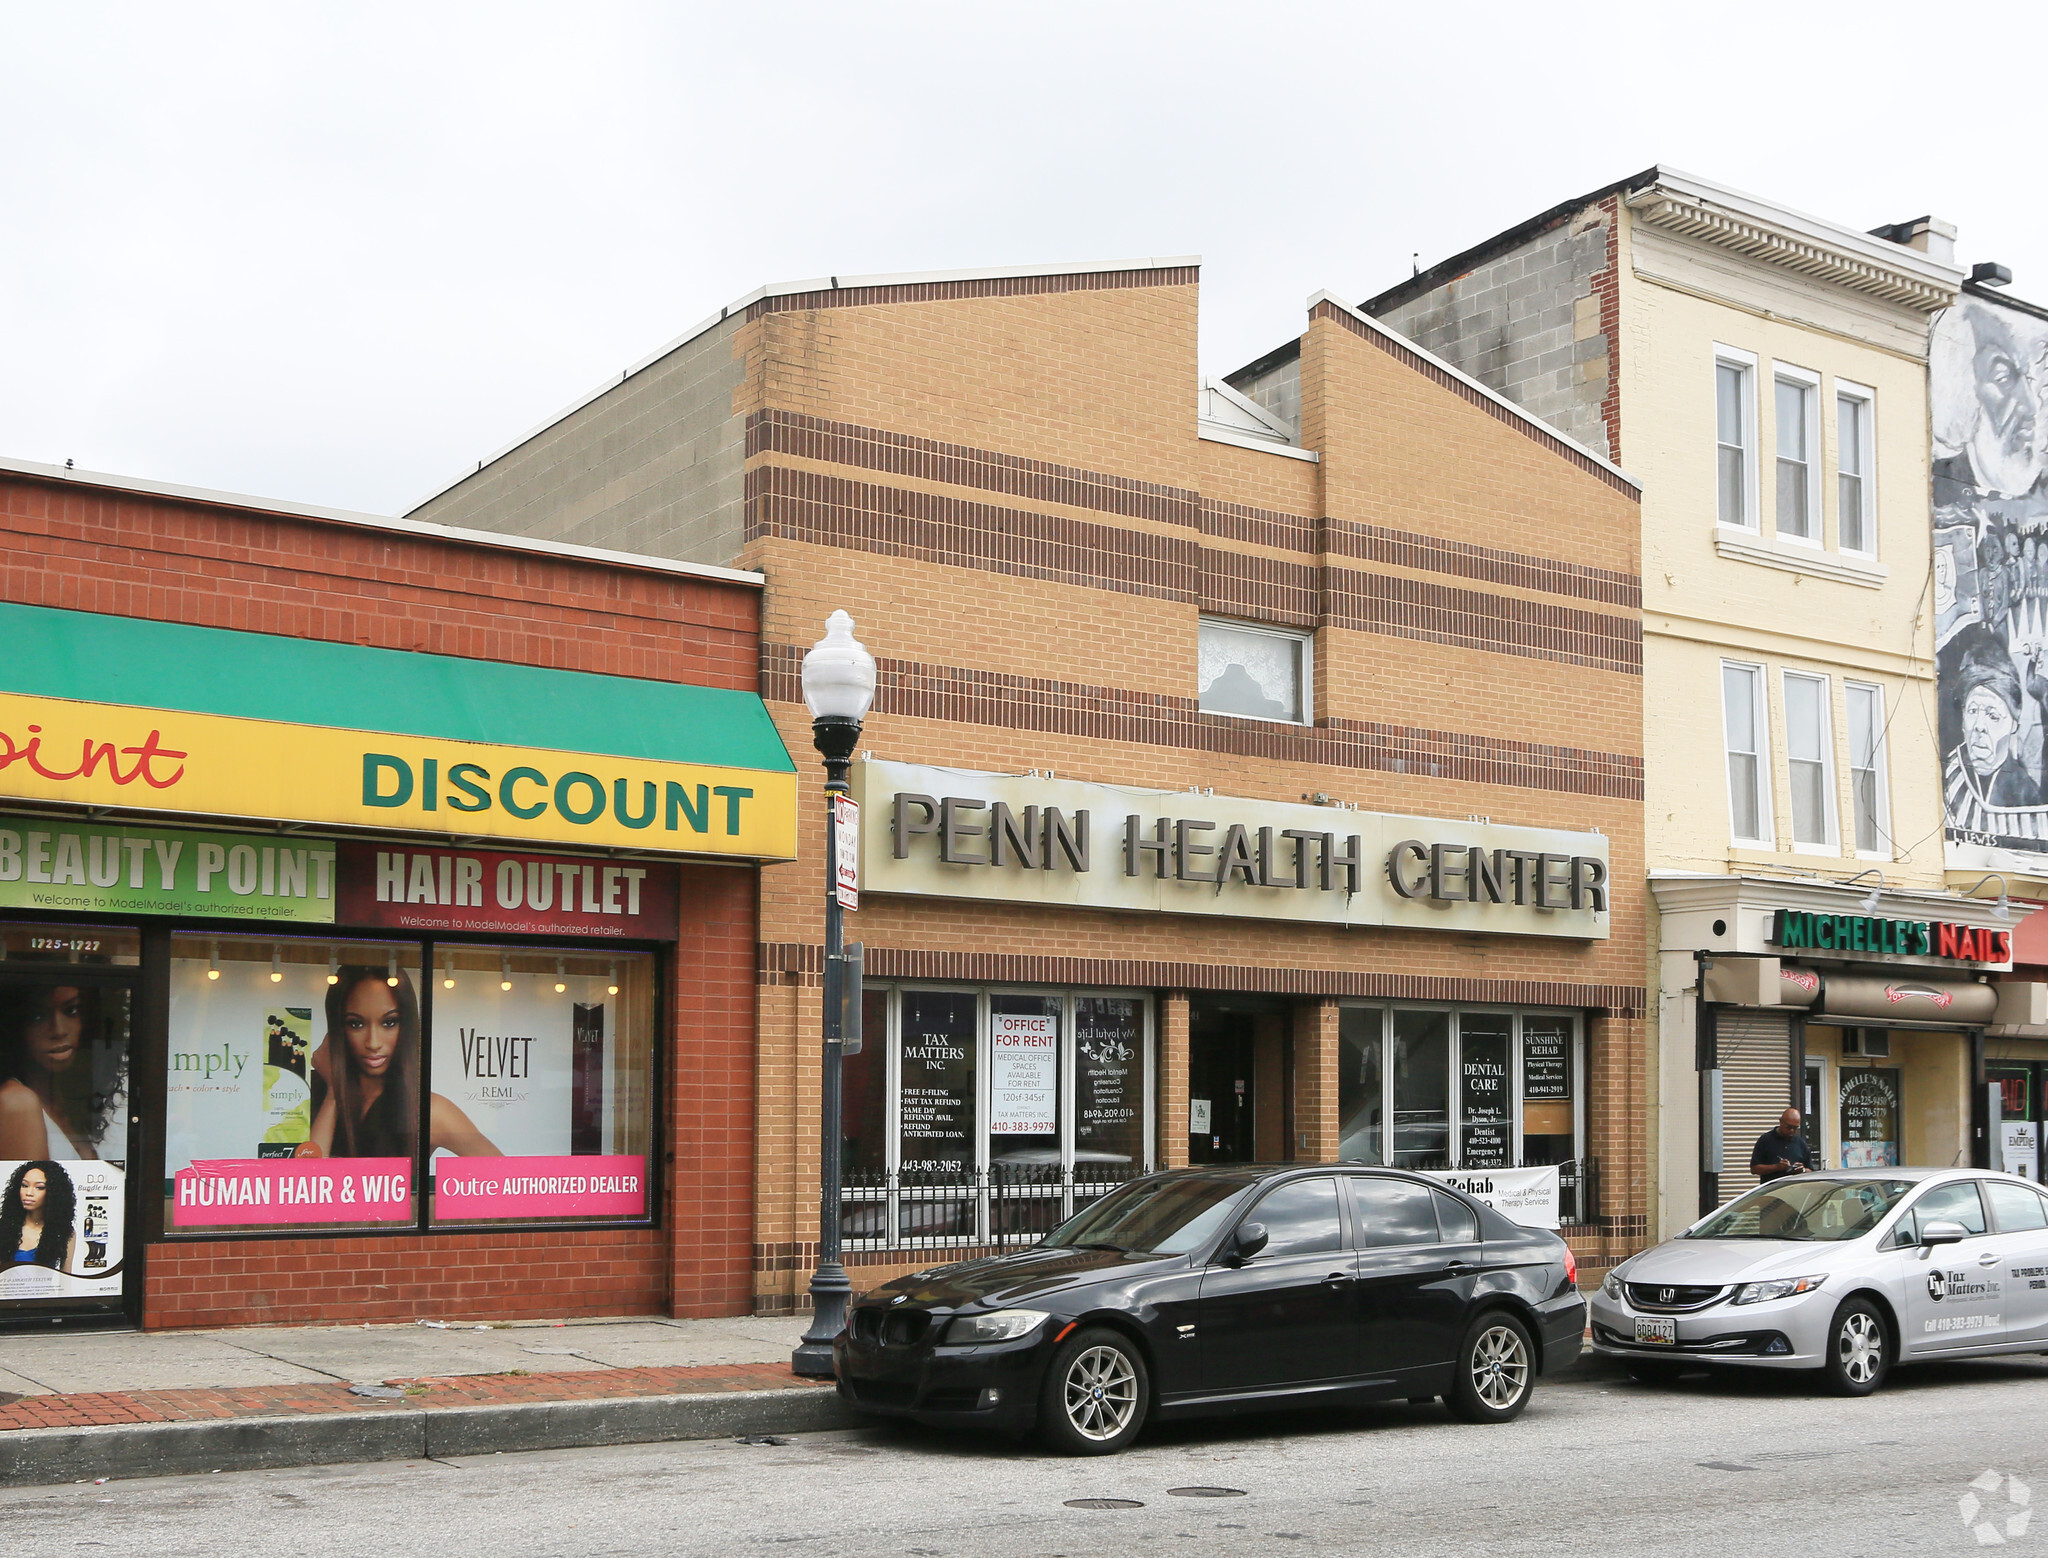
x=1663, y=1332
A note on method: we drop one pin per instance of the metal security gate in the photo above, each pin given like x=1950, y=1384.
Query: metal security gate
x=1756, y=1055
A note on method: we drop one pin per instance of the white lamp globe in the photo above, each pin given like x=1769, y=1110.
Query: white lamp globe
x=839, y=673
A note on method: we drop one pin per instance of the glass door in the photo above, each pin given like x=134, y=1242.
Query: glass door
x=2016, y=1144
x=65, y=1206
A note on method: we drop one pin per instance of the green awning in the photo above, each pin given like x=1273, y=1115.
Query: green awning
x=93, y=658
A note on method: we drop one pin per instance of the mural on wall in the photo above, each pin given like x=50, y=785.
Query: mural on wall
x=1988, y=386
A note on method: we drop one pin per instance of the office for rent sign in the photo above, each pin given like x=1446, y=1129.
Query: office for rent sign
x=1024, y=1068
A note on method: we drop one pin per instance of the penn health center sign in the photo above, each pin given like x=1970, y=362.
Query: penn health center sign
x=952, y=833
x=120, y=713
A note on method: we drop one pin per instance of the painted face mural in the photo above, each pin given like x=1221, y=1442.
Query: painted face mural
x=1988, y=384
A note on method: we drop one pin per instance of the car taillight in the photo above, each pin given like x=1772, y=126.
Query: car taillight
x=1571, y=1266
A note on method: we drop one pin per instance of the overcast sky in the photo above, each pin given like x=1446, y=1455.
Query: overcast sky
x=336, y=253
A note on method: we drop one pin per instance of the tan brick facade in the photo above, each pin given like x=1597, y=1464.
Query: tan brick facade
x=1004, y=482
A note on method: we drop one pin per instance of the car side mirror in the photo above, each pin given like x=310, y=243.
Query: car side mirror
x=1939, y=1232
x=1248, y=1241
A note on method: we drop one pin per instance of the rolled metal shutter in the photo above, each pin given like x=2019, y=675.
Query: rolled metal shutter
x=1756, y=1087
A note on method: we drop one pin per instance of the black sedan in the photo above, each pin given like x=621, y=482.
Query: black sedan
x=1218, y=1290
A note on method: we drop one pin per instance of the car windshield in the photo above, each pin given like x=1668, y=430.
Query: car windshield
x=1823, y=1210
x=1152, y=1217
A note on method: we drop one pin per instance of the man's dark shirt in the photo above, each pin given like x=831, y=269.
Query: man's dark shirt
x=1771, y=1147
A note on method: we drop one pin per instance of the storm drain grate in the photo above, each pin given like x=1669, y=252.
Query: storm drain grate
x=1105, y=1503
x=1205, y=1492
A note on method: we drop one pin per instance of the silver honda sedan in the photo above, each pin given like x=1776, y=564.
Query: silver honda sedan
x=1845, y=1272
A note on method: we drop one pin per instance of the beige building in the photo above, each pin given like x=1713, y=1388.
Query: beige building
x=1763, y=374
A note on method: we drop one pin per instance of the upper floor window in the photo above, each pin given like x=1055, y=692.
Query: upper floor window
x=1734, y=434
x=1867, y=790
x=1749, y=768
x=1798, y=429
x=1256, y=672
x=1810, y=760
x=1855, y=519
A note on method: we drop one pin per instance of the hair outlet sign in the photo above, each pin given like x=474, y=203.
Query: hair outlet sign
x=949, y=833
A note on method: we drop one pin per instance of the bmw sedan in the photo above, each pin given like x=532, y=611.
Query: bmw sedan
x=1219, y=1290
x=1842, y=1273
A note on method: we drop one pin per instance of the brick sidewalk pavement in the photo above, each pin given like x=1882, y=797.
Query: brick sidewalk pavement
x=88, y=1409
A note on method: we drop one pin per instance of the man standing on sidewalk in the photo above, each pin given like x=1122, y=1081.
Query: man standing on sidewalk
x=1781, y=1151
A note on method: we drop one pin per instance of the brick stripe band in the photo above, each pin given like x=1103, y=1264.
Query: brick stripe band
x=985, y=287
x=968, y=697
x=957, y=465
x=783, y=962
x=822, y=510
x=1519, y=421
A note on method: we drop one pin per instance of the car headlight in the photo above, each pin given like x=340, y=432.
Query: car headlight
x=1000, y=1325
x=1783, y=1287
x=1612, y=1286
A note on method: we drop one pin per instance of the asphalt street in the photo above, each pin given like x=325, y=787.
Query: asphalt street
x=1735, y=1466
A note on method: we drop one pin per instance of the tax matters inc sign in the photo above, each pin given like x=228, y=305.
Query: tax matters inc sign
x=941, y=832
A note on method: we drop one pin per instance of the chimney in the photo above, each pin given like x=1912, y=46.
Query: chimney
x=1929, y=234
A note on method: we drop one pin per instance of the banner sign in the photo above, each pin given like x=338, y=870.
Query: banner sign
x=84, y=1261
x=953, y=833
x=494, y=893
x=101, y=754
x=2019, y=1148
x=104, y=869
x=253, y=1192
x=1528, y=1196
x=609, y=1186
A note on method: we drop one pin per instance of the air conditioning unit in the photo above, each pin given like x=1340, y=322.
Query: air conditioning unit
x=1869, y=1043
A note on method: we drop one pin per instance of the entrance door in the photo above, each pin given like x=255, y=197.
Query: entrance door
x=64, y=1101
x=1220, y=1089
x=1813, y=1112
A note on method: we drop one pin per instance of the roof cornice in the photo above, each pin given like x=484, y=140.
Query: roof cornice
x=1776, y=235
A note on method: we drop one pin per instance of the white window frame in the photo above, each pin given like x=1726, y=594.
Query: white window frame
x=1760, y=736
x=1880, y=765
x=1304, y=638
x=1809, y=381
x=1830, y=842
x=1752, y=509
x=1865, y=397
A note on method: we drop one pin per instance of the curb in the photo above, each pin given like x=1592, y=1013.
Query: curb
x=32, y=1457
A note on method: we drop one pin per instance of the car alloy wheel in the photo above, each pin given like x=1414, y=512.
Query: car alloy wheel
x=1500, y=1367
x=1495, y=1372
x=1859, y=1349
x=1101, y=1392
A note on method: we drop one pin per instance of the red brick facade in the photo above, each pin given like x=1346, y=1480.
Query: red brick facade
x=94, y=548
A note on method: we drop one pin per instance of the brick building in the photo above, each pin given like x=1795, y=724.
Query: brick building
x=1764, y=373
x=377, y=915
x=1247, y=779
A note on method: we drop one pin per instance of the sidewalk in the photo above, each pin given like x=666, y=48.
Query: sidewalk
x=84, y=1406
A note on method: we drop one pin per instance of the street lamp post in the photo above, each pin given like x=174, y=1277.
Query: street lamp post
x=839, y=685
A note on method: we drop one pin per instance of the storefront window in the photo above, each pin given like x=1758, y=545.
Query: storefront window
x=1486, y=1134
x=291, y=1099
x=1010, y=1109
x=1547, y=1102
x=543, y=1066
x=1463, y=1089
x=1361, y=1086
x=301, y=1073
x=1109, y=1064
x=1870, y=1117
x=1422, y=1089
x=63, y=1137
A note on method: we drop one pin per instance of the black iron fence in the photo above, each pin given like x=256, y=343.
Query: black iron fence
x=1020, y=1204
x=1007, y=1204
